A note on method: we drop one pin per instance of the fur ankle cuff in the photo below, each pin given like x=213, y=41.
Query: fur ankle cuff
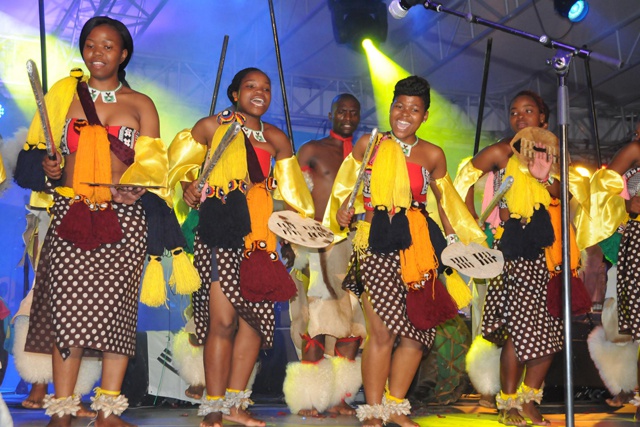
x=62, y=406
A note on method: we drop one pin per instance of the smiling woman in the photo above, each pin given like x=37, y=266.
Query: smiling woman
x=234, y=251
x=100, y=230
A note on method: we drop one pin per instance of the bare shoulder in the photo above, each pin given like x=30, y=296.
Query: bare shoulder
x=433, y=151
x=204, y=129
x=142, y=101
x=626, y=158
x=279, y=140
x=494, y=156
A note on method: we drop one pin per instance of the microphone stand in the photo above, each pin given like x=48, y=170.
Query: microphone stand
x=560, y=63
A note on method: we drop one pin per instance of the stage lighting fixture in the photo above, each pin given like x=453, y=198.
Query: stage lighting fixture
x=356, y=20
x=573, y=10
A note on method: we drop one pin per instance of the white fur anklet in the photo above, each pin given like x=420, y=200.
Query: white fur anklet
x=109, y=402
x=370, y=412
x=188, y=359
x=527, y=394
x=211, y=404
x=238, y=399
x=483, y=366
x=636, y=400
x=508, y=401
x=395, y=406
x=348, y=379
x=309, y=385
x=62, y=406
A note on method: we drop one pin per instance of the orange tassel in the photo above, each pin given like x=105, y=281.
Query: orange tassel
x=419, y=260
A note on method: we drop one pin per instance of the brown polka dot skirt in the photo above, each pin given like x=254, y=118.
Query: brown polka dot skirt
x=88, y=299
x=260, y=316
x=388, y=295
x=628, y=288
x=516, y=306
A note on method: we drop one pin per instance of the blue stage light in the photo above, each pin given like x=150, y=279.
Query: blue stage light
x=573, y=10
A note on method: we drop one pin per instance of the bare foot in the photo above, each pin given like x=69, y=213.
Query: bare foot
x=531, y=411
x=487, y=401
x=403, y=421
x=111, y=421
x=84, y=412
x=194, y=391
x=512, y=418
x=342, y=408
x=213, y=419
x=243, y=417
x=57, y=421
x=36, y=396
x=620, y=399
x=32, y=404
x=308, y=412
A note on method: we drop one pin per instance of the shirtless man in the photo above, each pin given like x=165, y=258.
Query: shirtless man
x=325, y=319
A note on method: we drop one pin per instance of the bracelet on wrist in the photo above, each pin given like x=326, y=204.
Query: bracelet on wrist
x=547, y=182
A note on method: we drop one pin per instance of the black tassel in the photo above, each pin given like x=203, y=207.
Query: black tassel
x=513, y=239
x=237, y=223
x=153, y=207
x=380, y=232
x=400, y=233
x=29, y=172
x=211, y=227
x=173, y=237
x=437, y=240
x=540, y=230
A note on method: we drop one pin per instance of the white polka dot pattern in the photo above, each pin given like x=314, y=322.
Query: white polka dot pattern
x=260, y=316
x=89, y=299
x=388, y=296
x=628, y=275
x=516, y=306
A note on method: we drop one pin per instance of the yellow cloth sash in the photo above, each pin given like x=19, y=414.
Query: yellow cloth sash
x=58, y=100
x=185, y=158
x=457, y=212
x=605, y=211
x=150, y=167
x=341, y=190
x=465, y=178
x=292, y=188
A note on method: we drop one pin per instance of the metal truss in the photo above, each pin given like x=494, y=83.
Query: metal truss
x=310, y=96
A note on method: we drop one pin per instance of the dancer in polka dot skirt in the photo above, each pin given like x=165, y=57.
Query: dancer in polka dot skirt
x=614, y=217
x=402, y=299
x=234, y=251
x=515, y=316
x=86, y=290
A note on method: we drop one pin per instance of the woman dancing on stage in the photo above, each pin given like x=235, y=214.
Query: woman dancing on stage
x=516, y=316
x=234, y=309
x=87, y=279
x=400, y=307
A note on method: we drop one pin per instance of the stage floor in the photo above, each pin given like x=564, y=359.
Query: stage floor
x=464, y=413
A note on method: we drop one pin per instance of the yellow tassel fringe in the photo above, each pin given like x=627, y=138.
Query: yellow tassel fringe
x=458, y=290
x=154, y=289
x=184, y=278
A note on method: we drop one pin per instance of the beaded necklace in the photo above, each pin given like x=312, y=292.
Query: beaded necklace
x=406, y=148
x=108, y=96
